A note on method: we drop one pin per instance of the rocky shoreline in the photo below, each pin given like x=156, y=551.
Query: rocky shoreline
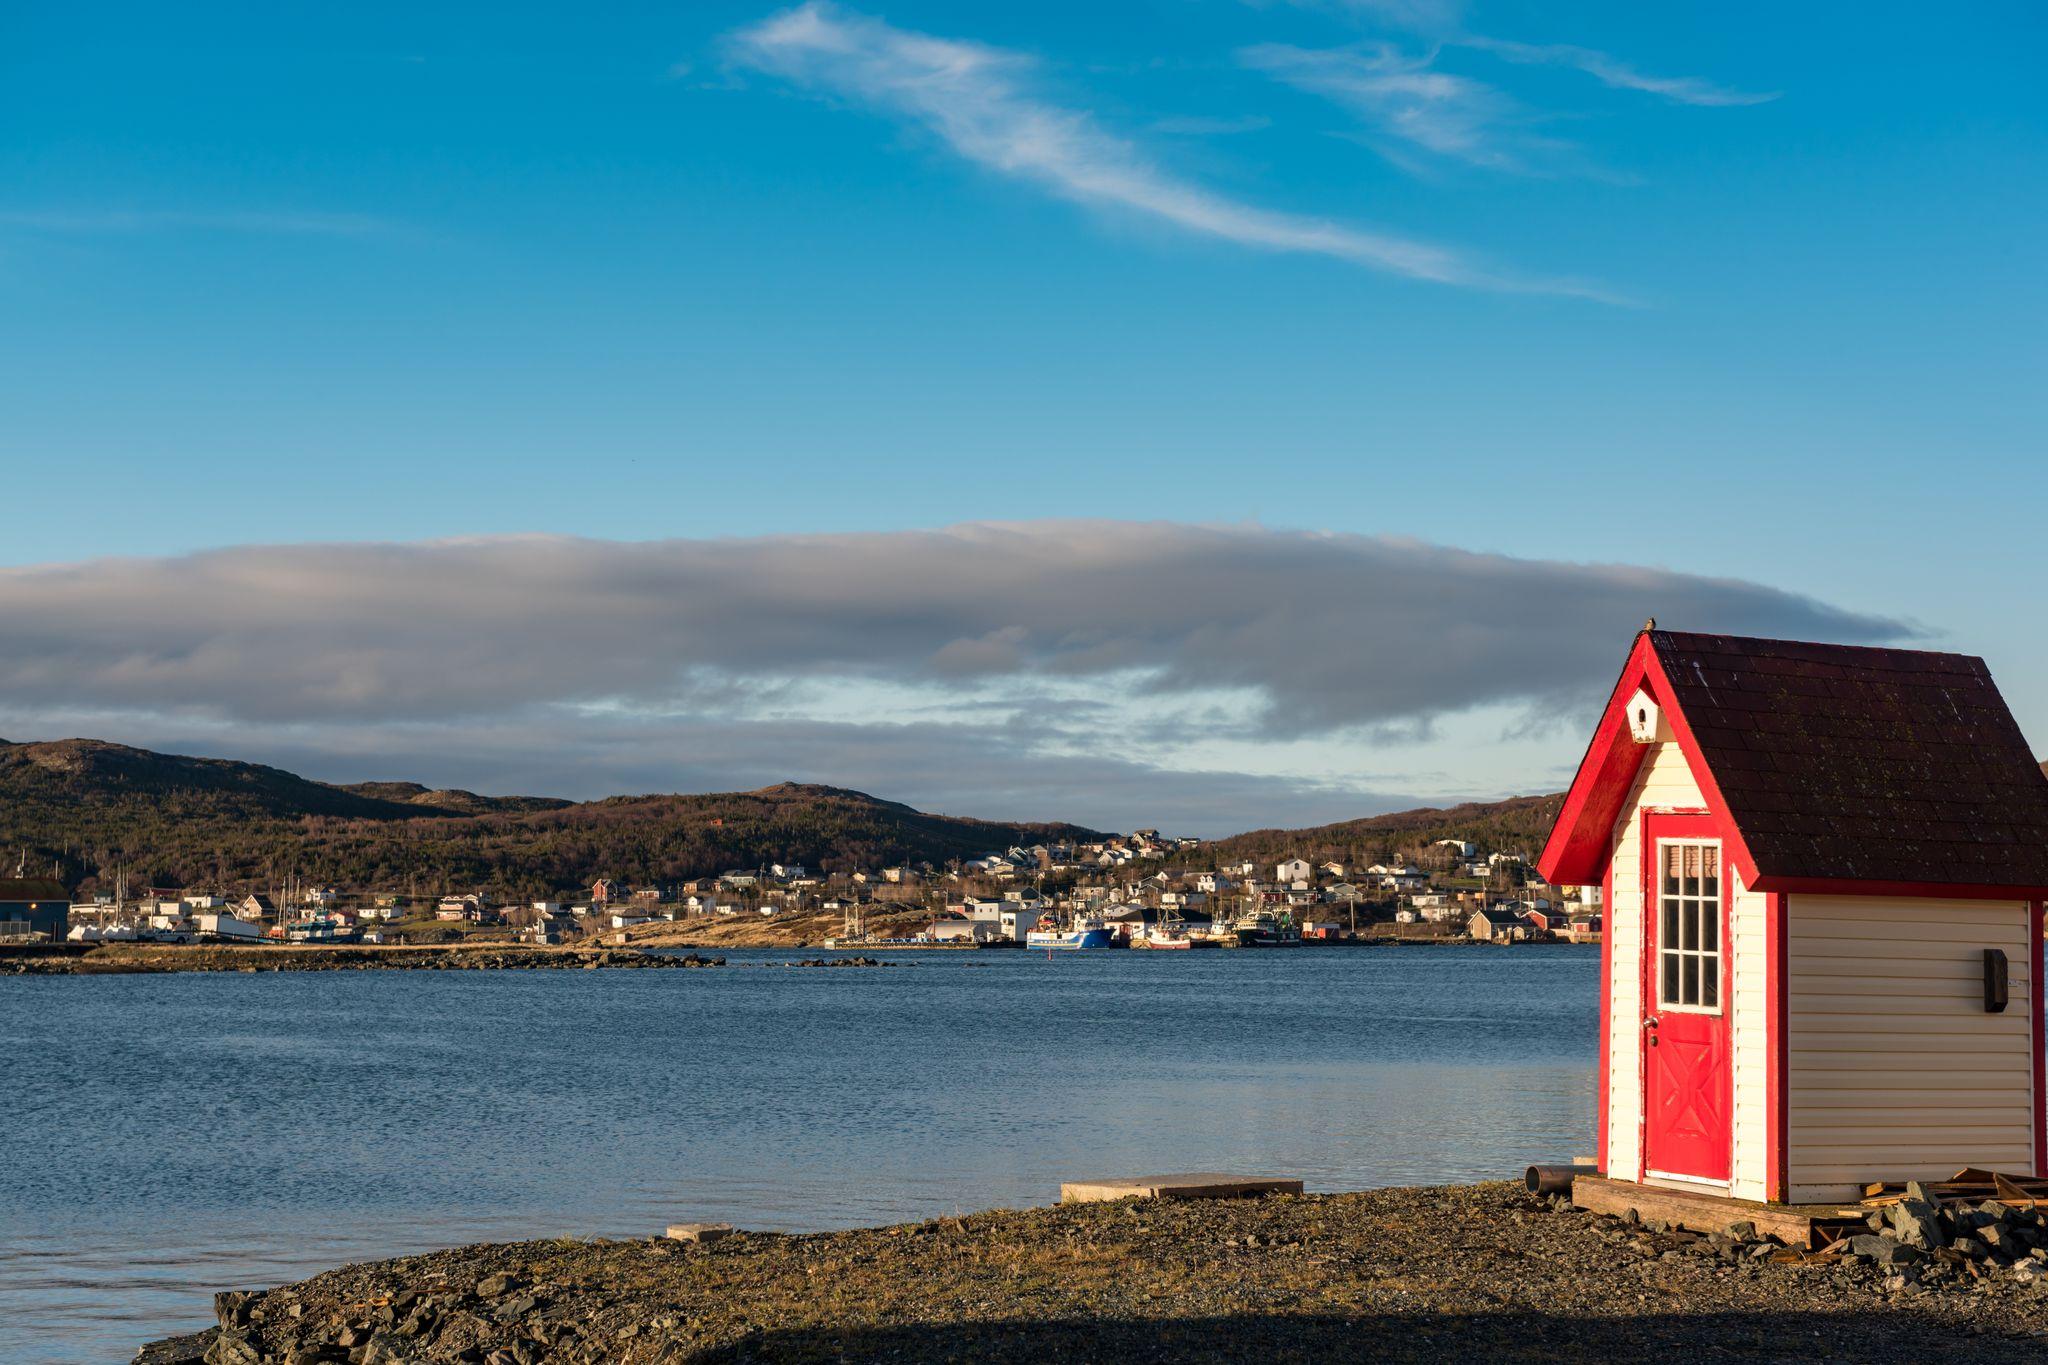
x=1432, y=1274
x=127, y=958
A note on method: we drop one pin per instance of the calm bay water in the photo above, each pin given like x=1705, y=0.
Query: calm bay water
x=167, y=1136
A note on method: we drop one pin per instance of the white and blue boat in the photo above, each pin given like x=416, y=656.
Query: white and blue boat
x=1085, y=932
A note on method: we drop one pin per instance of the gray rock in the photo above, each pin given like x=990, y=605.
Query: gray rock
x=491, y=1286
x=232, y=1348
x=1916, y=1190
x=1970, y=1247
x=317, y=1354
x=1883, y=1250
x=1916, y=1224
x=511, y=1310
x=1743, y=1230
x=185, y=1350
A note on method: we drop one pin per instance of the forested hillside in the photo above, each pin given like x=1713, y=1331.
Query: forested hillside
x=1519, y=824
x=86, y=811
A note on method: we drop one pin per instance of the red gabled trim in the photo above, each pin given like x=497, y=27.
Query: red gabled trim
x=1778, y=1049
x=1605, y=1078
x=1834, y=886
x=1599, y=788
x=1733, y=848
x=1581, y=841
x=2034, y=1003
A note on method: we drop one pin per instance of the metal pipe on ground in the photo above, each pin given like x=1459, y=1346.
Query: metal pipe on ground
x=1555, y=1179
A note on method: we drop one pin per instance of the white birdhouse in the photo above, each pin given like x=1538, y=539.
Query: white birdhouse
x=1642, y=718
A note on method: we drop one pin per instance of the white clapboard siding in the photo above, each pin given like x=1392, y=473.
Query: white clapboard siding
x=1749, y=1039
x=1894, y=1069
x=1664, y=782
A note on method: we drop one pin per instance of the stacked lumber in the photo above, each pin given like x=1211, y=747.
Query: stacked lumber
x=1967, y=1186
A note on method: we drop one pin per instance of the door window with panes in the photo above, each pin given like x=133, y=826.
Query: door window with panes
x=1689, y=926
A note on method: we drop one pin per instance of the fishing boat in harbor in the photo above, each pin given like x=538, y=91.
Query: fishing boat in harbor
x=1263, y=929
x=1086, y=931
x=1172, y=936
x=319, y=929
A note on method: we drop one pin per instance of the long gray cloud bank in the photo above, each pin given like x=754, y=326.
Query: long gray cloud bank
x=1321, y=631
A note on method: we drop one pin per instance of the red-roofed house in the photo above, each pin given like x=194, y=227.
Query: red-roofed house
x=1823, y=869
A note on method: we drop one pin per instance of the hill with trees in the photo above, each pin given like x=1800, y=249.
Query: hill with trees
x=88, y=812
x=1519, y=824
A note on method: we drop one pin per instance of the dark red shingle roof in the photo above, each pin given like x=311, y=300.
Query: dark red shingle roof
x=1844, y=762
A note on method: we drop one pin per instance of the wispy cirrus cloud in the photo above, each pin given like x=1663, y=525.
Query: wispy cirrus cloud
x=1611, y=71
x=84, y=221
x=982, y=103
x=1413, y=101
x=1405, y=98
x=1410, y=101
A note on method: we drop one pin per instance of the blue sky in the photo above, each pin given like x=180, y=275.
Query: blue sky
x=1732, y=291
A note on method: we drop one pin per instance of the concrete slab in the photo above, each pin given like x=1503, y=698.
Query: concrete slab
x=1187, y=1185
x=699, y=1232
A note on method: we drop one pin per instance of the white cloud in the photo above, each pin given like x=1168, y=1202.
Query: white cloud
x=981, y=102
x=1617, y=74
x=1043, y=669
x=1323, y=630
x=1406, y=99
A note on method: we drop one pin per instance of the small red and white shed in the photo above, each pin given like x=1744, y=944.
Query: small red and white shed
x=1823, y=870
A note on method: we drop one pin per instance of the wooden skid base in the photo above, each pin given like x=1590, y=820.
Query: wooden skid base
x=1191, y=1185
x=1796, y=1225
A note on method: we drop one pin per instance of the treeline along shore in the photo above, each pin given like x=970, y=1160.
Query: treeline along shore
x=1476, y=1272
x=107, y=959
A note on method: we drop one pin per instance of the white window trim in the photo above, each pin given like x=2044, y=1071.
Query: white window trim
x=1656, y=908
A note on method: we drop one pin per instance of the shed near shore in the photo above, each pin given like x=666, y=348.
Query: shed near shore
x=1823, y=870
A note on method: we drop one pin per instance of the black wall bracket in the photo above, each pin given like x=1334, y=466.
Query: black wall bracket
x=1994, y=981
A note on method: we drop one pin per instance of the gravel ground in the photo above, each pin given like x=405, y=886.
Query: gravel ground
x=1460, y=1272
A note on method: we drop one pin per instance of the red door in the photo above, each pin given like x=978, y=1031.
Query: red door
x=1686, y=1072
